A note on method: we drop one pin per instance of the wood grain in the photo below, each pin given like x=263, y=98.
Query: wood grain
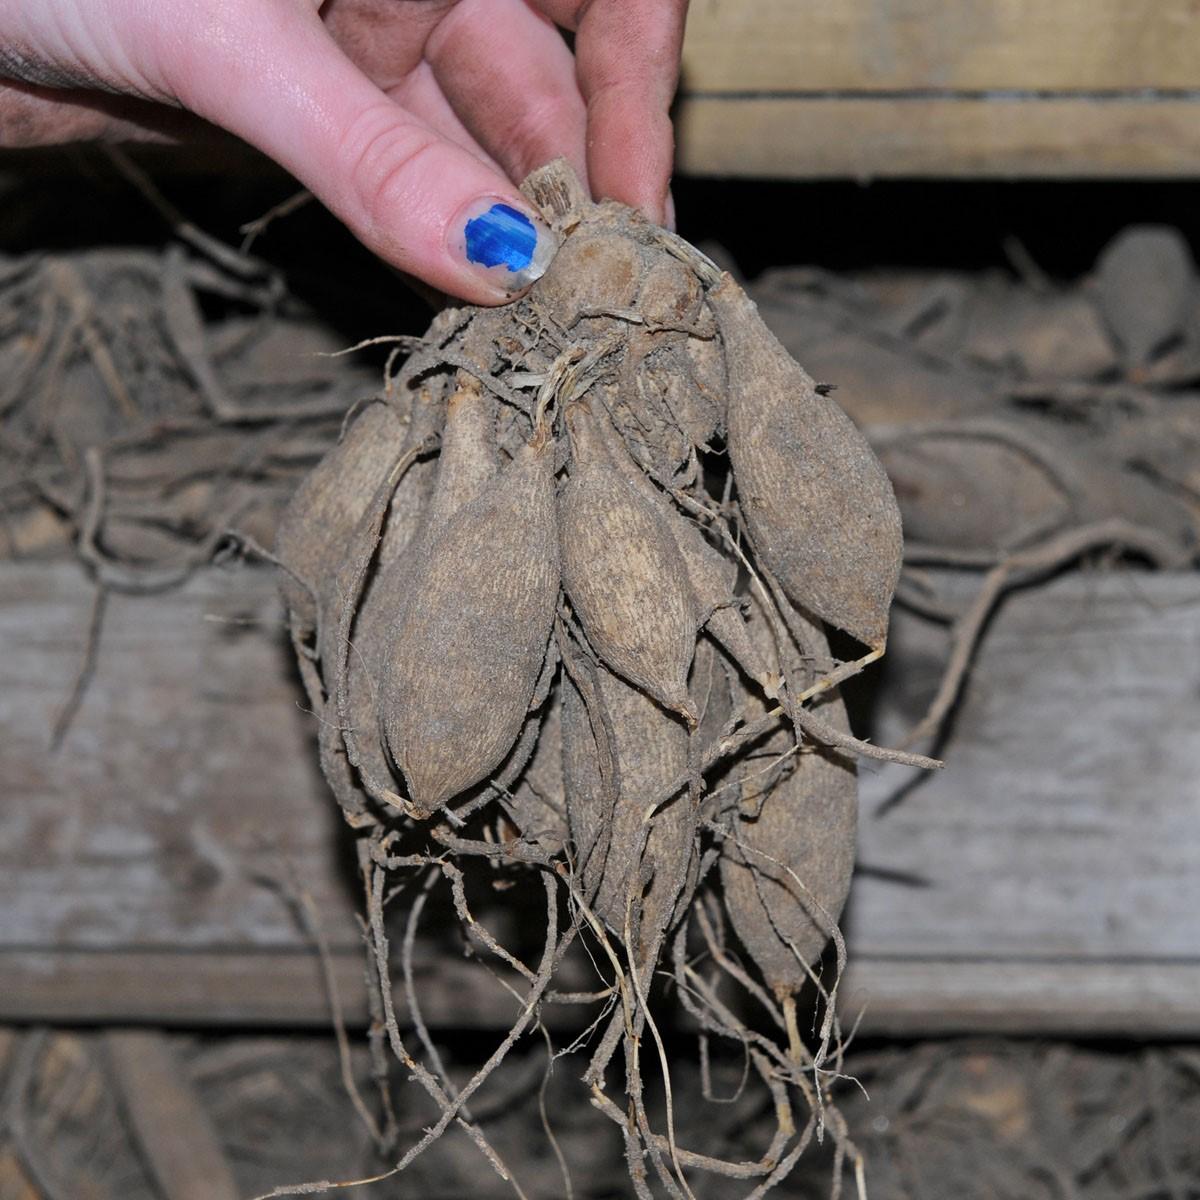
x=931, y=45
x=921, y=998
x=237, y=985
x=1045, y=881
x=186, y=785
x=869, y=89
x=1066, y=825
x=813, y=137
x=229, y=985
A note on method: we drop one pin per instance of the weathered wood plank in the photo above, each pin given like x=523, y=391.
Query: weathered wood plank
x=817, y=137
x=926, y=45
x=229, y=985
x=1066, y=825
x=1045, y=880
x=239, y=985
x=909, y=88
x=914, y=998
x=901, y=996
x=186, y=778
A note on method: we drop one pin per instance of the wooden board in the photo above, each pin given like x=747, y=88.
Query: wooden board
x=1044, y=882
x=1047, y=878
x=978, y=88
x=132, y=858
x=1066, y=826
x=814, y=46
x=185, y=780
x=910, y=136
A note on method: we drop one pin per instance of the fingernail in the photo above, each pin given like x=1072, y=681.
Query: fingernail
x=507, y=246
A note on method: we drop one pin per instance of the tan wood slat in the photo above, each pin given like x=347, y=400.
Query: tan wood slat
x=862, y=138
x=895, y=995
x=230, y=987
x=943, y=45
x=169, y=987
x=918, y=998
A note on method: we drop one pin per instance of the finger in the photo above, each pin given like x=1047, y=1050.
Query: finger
x=270, y=73
x=383, y=38
x=511, y=78
x=421, y=94
x=627, y=58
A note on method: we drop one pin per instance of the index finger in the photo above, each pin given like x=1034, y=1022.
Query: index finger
x=627, y=63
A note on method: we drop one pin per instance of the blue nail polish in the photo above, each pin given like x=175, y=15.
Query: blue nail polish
x=501, y=237
x=507, y=246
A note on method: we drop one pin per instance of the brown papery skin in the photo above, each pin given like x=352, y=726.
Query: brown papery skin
x=596, y=268
x=624, y=574
x=787, y=866
x=712, y=578
x=377, y=607
x=415, y=488
x=547, y=624
x=695, y=388
x=787, y=881
x=652, y=748
x=405, y=515
x=467, y=462
x=326, y=507
x=670, y=294
x=710, y=574
x=820, y=510
x=530, y=737
x=465, y=465
x=1144, y=287
x=976, y=494
x=468, y=650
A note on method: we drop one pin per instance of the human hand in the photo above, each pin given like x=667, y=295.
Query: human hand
x=409, y=119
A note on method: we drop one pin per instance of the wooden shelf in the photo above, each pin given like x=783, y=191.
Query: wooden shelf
x=908, y=88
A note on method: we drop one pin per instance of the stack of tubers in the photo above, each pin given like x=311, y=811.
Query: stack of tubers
x=516, y=602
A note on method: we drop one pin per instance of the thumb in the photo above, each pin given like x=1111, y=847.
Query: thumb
x=430, y=208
